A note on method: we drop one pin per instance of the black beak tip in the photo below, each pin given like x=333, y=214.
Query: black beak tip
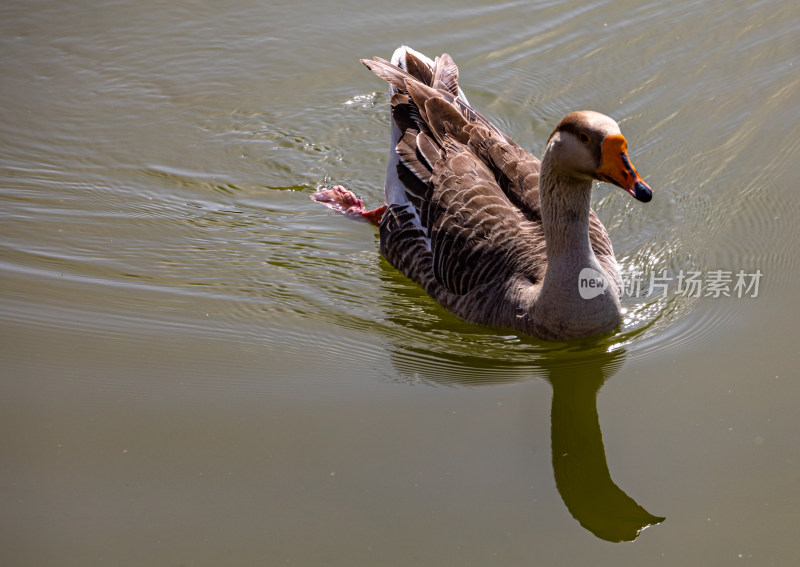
x=642, y=192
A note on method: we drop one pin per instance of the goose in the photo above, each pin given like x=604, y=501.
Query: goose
x=495, y=235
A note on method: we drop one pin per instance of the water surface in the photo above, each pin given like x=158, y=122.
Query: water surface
x=201, y=366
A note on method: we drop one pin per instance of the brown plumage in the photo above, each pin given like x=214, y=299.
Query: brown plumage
x=493, y=234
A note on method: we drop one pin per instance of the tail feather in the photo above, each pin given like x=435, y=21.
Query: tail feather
x=389, y=72
x=443, y=83
x=417, y=68
x=428, y=104
x=445, y=76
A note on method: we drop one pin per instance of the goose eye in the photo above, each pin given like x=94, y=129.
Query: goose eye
x=584, y=137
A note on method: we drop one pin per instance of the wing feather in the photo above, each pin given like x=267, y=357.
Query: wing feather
x=473, y=205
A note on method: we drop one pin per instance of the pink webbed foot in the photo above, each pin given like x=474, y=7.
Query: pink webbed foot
x=343, y=201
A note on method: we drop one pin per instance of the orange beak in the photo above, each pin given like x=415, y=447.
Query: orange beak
x=616, y=168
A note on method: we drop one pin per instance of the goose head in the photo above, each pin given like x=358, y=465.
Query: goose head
x=589, y=145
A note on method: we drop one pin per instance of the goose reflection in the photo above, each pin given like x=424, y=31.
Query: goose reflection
x=579, y=460
x=576, y=373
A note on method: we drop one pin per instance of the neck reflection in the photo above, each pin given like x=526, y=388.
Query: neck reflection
x=579, y=460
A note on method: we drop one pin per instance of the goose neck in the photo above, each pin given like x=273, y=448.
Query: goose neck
x=565, y=203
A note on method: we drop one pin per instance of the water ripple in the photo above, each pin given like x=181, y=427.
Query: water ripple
x=175, y=196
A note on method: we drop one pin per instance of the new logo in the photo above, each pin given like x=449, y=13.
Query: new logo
x=591, y=283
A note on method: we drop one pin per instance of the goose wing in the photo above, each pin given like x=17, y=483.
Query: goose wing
x=472, y=192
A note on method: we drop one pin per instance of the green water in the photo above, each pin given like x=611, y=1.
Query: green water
x=201, y=366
